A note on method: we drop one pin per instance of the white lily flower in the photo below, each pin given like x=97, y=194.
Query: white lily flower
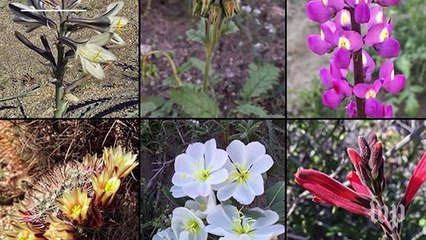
x=167, y=234
x=202, y=206
x=187, y=226
x=200, y=167
x=117, y=23
x=92, y=54
x=245, y=167
x=229, y=223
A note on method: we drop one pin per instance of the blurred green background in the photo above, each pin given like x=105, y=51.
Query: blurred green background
x=322, y=145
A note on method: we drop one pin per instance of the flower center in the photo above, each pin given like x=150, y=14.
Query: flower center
x=344, y=43
x=97, y=56
x=241, y=228
x=119, y=26
x=192, y=226
x=370, y=94
x=112, y=185
x=76, y=211
x=384, y=34
x=203, y=207
x=24, y=235
x=379, y=17
x=345, y=19
x=203, y=175
x=242, y=176
x=325, y=2
x=364, y=60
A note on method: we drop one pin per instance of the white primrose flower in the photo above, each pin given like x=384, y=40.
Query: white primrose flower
x=92, y=54
x=229, y=223
x=187, y=226
x=245, y=168
x=202, y=206
x=167, y=234
x=200, y=167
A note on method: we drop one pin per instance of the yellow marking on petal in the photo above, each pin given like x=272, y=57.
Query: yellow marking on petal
x=112, y=185
x=345, y=19
x=97, y=57
x=242, y=176
x=23, y=235
x=322, y=35
x=384, y=34
x=119, y=26
x=344, y=43
x=364, y=59
x=192, y=226
x=202, y=175
x=325, y=2
x=379, y=17
x=76, y=211
x=370, y=94
x=392, y=75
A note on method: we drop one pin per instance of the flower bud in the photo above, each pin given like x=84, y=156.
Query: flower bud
x=230, y=7
x=364, y=148
x=196, y=8
x=205, y=8
x=215, y=13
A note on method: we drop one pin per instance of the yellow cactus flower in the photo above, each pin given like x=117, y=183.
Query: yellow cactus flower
x=105, y=186
x=75, y=205
x=92, y=162
x=23, y=231
x=116, y=159
x=58, y=229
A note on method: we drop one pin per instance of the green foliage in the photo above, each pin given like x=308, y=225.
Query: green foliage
x=262, y=78
x=194, y=102
x=275, y=198
x=199, y=34
x=250, y=109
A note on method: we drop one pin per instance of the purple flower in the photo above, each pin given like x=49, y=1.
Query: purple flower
x=348, y=28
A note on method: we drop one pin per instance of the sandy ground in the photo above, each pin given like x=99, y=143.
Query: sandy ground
x=303, y=65
x=21, y=71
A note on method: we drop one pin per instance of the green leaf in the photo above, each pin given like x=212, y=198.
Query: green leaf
x=404, y=65
x=229, y=28
x=151, y=104
x=412, y=106
x=262, y=79
x=275, y=196
x=195, y=103
x=178, y=201
x=253, y=214
x=249, y=109
x=198, y=35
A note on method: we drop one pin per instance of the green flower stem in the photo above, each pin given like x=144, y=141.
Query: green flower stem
x=211, y=44
x=172, y=64
x=60, y=105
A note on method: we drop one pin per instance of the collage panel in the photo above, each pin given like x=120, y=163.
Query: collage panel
x=212, y=58
x=69, y=59
x=356, y=59
x=69, y=179
x=353, y=179
x=212, y=179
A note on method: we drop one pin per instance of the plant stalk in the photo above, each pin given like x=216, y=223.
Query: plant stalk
x=60, y=105
x=211, y=44
x=358, y=68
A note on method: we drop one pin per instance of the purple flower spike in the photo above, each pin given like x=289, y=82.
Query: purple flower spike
x=362, y=13
x=348, y=29
x=391, y=83
x=351, y=109
x=376, y=109
x=389, y=48
x=318, y=12
x=367, y=91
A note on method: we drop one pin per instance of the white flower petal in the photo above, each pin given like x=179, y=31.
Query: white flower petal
x=243, y=194
x=113, y=9
x=270, y=217
x=196, y=151
x=191, y=190
x=254, y=150
x=219, y=220
x=236, y=151
x=95, y=69
x=100, y=39
x=274, y=230
x=177, y=192
x=256, y=184
x=263, y=164
x=116, y=39
x=182, y=179
x=226, y=192
x=183, y=164
x=204, y=189
x=218, y=176
x=217, y=160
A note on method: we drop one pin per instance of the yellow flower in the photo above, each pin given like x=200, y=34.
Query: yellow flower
x=92, y=162
x=122, y=162
x=105, y=186
x=58, y=230
x=23, y=232
x=75, y=205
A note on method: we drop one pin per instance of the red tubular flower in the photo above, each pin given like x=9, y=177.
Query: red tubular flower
x=356, y=183
x=326, y=189
x=416, y=180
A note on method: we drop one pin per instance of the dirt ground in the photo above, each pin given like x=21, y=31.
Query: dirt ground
x=21, y=71
x=260, y=39
x=303, y=65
